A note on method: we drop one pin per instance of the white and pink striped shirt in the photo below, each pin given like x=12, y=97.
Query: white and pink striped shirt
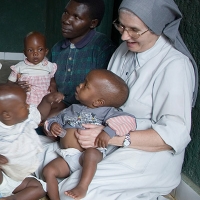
x=38, y=76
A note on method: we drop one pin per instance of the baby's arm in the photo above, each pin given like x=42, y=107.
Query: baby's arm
x=14, y=77
x=52, y=87
x=14, y=72
x=55, y=129
x=45, y=105
x=3, y=160
x=120, y=125
x=102, y=139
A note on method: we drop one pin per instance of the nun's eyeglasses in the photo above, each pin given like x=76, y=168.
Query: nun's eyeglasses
x=132, y=33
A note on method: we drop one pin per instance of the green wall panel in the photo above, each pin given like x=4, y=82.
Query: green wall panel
x=106, y=24
x=17, y=18
x=53, y=21
x=190, y=32
x=116, y=36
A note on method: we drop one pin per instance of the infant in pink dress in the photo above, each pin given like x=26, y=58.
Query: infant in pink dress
x=38, y=76
x=36, y=70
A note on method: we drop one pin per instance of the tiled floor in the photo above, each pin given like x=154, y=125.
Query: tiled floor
x=5, y=70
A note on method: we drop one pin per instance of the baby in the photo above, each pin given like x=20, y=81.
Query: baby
x=20, y=144
x=101, y=94
x=35, y=70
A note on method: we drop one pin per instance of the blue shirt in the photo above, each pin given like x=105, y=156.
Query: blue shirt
x=74, y=61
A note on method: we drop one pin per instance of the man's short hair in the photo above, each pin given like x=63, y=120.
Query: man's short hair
x=96, y=8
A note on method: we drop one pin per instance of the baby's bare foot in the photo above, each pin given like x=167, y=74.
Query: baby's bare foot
x=77, y=193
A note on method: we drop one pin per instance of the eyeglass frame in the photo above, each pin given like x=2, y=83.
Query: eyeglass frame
x=126, y=29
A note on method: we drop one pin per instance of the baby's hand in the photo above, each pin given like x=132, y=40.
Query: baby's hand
x=52, y=87
x=55, y=129
x=3, y=159
x=54, y=97
x=23, y=84
x=102, y=140
x=18, y=76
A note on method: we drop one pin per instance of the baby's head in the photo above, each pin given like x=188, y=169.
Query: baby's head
x=13, y=106
x=102, y=88
x=35, y=47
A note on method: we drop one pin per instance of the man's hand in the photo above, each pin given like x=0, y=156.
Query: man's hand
x=54, y=97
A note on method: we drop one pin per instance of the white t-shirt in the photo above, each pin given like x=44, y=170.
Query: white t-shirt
x=20, y=144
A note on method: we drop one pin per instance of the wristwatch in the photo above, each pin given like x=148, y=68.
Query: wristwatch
x=127, y=140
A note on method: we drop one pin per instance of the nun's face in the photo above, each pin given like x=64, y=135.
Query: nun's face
x=131, y=23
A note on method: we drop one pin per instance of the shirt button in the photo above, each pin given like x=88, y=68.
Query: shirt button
x=69, y=70
x=70, y=58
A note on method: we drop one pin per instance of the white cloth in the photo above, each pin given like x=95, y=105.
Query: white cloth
x=161, y=90
x=20, y=144
x=25, y=68
x=71, y=156
x=9, y=185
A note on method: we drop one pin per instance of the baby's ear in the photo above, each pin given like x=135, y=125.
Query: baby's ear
x=6, y=116
x=47, y=51
x=99, y=103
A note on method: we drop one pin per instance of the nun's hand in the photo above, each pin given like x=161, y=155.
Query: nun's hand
x=86, y=137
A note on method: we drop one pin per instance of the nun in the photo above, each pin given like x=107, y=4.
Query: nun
x=162, y=78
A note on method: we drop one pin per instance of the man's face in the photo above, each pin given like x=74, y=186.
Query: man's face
x=76, y=22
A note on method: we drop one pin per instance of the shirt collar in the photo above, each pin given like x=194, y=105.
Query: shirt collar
x=143, y=57
x=44, y=62
x=148, y=54
x=82, y=42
